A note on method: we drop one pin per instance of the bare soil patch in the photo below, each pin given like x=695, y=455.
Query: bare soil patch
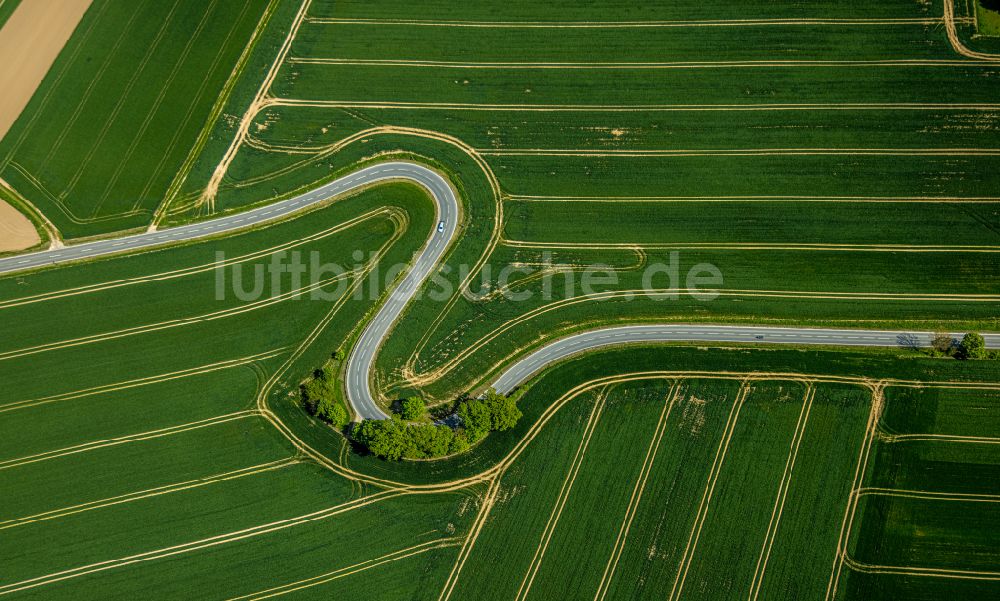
x=30, y=41
x=16, y=231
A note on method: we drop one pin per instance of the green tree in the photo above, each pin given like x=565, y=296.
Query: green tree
x=504, y=413
x=476, y=419
x=429, y=440
x=412, y=408
x=972, y=346
x=339, y=355
x=385, y=438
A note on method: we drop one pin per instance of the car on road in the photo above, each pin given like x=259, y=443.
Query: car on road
x=440, y=226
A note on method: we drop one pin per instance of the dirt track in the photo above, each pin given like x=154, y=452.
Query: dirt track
x=30, y=41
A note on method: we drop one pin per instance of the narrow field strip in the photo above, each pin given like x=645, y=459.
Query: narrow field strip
x=816, y=246
x=866, y=568
x=852, y=501
x=803, y=63
x=196, y=269
x=220, y=539
x=305, y=583
x=177, y=323
x=779, y=501
x=927, y=495
x=740, y=152
x=639, y=108
x=176, y=375
x=640, y=485
x=706, y=499
x=561, y=498
x=790, y=199
x=151, y=492
x=413, y=377
x=100, y=444
x=892, y=438
x=631, y=24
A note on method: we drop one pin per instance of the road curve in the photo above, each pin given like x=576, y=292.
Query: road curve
x=560, y=349
x=360, y=362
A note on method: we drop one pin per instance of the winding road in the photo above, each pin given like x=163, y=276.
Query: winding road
x=362, y=357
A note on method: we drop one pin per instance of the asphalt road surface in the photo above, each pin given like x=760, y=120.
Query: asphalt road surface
x=362, y=357
x=593, y=339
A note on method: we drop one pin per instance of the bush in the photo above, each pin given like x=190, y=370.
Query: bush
x=330, y=411
x=412, y=408
x=320, y=398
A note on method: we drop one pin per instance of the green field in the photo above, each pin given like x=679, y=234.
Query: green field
x=837, y=163
x=109, y=128
x=987, y=20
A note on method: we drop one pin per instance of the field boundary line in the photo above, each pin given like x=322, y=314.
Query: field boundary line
x=564, y=492
x=175, y=375
x=956, y=41
x=892, y=438
x=758, y=64
x=38, y=219
x=351, y=569
x=706, y=497
x=150, y=492
x=928, y=495
x=626, y=24
x=874, y=415
x=196, y=545
x=671, y=400
x=867, y=568
x=120, y=440
x=779, y=500
x=207, y=197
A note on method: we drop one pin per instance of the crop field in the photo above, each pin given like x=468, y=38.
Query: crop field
x=107, y=131
x=763, y=154
x=829, y=163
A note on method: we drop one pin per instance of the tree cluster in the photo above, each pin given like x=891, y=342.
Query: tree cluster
x=396, y=439
x=972, y=346
x=320, y=398
x=492, y=412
